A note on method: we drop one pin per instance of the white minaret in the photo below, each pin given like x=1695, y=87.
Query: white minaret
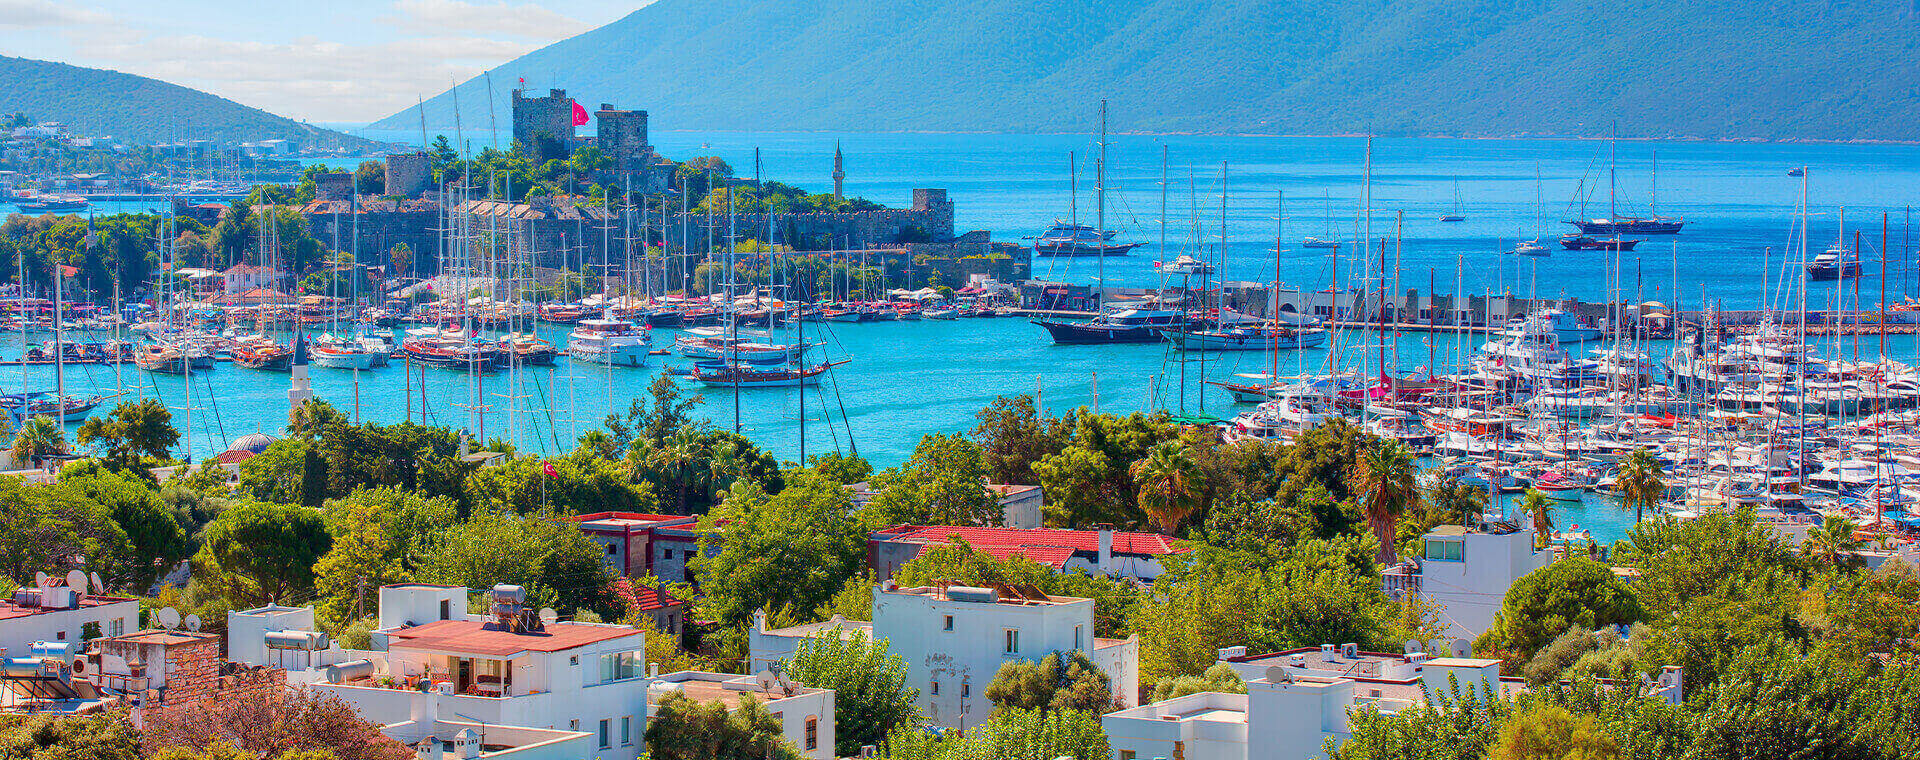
x=301, y=389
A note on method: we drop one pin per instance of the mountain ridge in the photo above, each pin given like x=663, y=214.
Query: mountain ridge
x=143, y=110
x=1713, y=69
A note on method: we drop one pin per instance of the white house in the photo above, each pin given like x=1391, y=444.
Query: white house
x=955, y=638
x=767, y=647
x=59, y=613
x=1298, y=699
x=805, y=713
x=433, y=662
x=1466, y=571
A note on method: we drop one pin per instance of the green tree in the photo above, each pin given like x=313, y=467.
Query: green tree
x=581, y=483
x=1059, y=681
x=1829, y=542
x=1168, y=485
x=1219, y=677
x=845, y=469
x=956, y=561
x=1013, y=437
x=153, y=539
x=43, y=528
x=38, y=440
x=1384, y=477
x=1456, y=723
x=944, y=483
x=1549, y=732
x=1324, y=456
x=261, y=553
x=1089, y=481
x=557, y=564
x=1574, y=591
x=379, y=537
x=682, y=729
x=1536, y=505
x=791, y=551
x=132, y=430
x=99, y=736
x=1008, y=734
x=1640, y=482
x=870, y=692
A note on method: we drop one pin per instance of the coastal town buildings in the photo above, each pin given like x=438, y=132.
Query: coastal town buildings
x=56, y=612
x=1104, y=551
x=805, y=714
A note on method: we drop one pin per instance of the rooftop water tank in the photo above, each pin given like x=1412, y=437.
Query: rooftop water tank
x=972, y=594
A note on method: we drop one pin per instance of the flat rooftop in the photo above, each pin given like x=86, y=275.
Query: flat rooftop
x=9, y=610
x=725, y=688
x=1025, y=596
x=474, y=637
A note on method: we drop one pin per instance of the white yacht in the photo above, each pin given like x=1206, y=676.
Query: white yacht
x=609, y=341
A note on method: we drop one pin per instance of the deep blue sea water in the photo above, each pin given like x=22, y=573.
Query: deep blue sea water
x=910, y=379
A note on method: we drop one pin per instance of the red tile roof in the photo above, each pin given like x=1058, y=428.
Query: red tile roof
x=1053, y=556
x=648, y=599
x=1152, y=544
x=473, y=637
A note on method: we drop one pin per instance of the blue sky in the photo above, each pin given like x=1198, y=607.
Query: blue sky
x=319, y=60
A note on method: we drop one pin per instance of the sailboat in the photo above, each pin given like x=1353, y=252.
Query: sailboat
x=1534, y=247
x=1268, y=335
x=1328, y=242
x=1616, y=224
x=1458, y=214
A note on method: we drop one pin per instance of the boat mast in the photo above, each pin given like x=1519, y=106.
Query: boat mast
x=1100, y=223
x=1273, y=304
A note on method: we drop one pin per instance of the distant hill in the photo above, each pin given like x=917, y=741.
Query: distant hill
x=138, y=110
x=1724, y=69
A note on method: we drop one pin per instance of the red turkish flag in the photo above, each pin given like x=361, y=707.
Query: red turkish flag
x=548, y=466
x=579, y=114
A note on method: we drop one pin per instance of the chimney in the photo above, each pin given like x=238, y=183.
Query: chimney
x=424, y=711
x=1105, y=560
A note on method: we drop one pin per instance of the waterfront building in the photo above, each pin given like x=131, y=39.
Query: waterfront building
x=241, y=278
x=1103, y=551
x=1466, y=572
x=805, y=713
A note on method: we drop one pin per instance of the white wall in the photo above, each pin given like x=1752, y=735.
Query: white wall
x=246, y=631
x=66, y=625
x=958, y=663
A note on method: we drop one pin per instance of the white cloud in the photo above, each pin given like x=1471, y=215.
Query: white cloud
x=498, y=18
x=306, y=77
x=35, y=14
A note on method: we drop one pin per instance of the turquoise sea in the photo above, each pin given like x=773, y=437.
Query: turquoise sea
x=907, y=379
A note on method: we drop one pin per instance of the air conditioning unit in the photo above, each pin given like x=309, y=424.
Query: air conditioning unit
x=1350, y=651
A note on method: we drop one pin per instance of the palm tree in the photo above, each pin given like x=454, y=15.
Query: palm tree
x=676, y=456
x=1830, y=539
x=1540, y=507
x=1640, y=481
x=1168, y=483
x=1383, y=477
x=40, y=438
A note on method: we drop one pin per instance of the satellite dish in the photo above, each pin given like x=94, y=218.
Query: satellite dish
x=1462, y=648
x=1413, y=646
x=77, y=581
x=1279, y=674
x=167, y=617
x=548, y=616
x=766, y=680
x=1440, y=648
x=192, y=623
x=99, y=587
x=40, y=580
x=786, y=685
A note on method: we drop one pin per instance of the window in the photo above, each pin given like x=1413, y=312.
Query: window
x=612, y=550
x=573, y=725
x=666, y=554
x=606, y=730
x=1126, y=754
x=626, y=730
x=1076, y=637
x=1013, y=641
x=621, y=665
x=116, y=626
x=949, y=624
x=1447, y=551
x=574, y=660
x=813, y=732
x=966, y=689
x=936, y=687
x=60, y=636
x=446, y=610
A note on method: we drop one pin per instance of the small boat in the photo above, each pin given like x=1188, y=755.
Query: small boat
x=161, y=358
x=1317, y=243
x=1532, y=248
x=941, y=313
x=341, y=353
x=1629, y=225
x=1067, y=239
x=262, y=353
x=1458, y=215
x=717, y=344
x=450, y=350
x=41, y=202
x=50, y=405
x=613, y=342
x=1126, y=326
x=1246, y=338
x=528, y=350
x=1584, y=243
x=1183, y=265
x=749, y=376
x=1834, y=264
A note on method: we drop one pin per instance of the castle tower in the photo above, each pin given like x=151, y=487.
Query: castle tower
x=622, y=136
x=839, y=174
x=543, y=126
